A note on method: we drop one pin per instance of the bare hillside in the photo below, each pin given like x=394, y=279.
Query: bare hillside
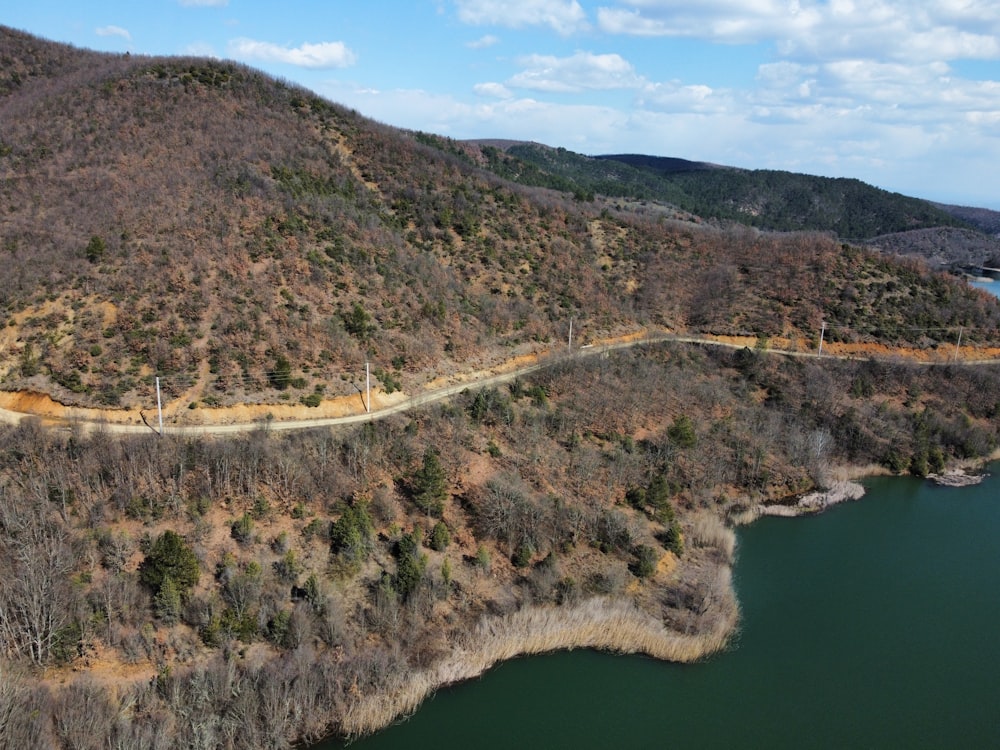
x=248, y=241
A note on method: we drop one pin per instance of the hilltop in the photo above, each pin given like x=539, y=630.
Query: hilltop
x=246, y=240
x=767, y=199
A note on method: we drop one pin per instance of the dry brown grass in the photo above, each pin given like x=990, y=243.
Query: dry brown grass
x=607, y=624
x=708, y=530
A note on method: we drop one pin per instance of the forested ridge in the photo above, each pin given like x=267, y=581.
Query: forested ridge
x=247, y=241
x=768, y=199
x=786, y=201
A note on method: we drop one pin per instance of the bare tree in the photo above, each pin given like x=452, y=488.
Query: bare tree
x=506, y=513
x=35, y=601
x=11, y=691
x=84, y=715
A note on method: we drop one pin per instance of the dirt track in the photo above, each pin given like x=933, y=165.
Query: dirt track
x=15, y=407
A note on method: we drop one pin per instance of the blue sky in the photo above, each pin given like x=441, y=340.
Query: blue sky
x=904, y=94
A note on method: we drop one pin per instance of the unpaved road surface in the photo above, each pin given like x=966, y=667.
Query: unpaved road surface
x=237, y=420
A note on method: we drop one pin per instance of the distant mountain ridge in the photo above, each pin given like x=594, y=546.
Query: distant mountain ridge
x=983, y=219
x=767, y=199
x=662, y=164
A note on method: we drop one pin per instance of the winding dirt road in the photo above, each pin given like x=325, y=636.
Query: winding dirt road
x=85, y=419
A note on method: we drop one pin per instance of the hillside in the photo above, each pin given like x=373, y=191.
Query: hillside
x=767, y=199
x=246, y=240
x=253, y=246
x=786, y=201
x=983, y=219
x=197, y=220
x=943, y=247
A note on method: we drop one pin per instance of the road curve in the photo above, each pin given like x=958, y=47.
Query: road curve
x=427, y=397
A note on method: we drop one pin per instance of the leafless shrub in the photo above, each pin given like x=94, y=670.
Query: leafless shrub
x=384, y=506
x=84, y=715
x=506, y=511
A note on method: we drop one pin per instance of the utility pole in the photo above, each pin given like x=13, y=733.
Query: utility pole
x=570, y=346
x=159, y=404
x=368, y=389
x=958, y=344
x=822, y=333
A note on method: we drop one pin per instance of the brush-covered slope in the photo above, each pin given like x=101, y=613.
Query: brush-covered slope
x=246, y=239
x=983, y=219
x=943, y=246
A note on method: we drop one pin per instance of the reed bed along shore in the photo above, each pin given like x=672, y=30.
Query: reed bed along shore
x=814, y=502
x=708, y=530
x=615, y=625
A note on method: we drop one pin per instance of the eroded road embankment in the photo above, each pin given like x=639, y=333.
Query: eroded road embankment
x=17, y=406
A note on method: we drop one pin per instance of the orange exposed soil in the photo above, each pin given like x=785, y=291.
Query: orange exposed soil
x=942, y=353
x=176, y=412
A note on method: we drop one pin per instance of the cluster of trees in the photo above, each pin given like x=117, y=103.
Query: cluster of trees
x=357, y=242
x=350, y=556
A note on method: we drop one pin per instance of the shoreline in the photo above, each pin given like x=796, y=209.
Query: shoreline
x=619, y=624
x=611, y=625
x=847, y=488
x=958, y=478
x=844, y=490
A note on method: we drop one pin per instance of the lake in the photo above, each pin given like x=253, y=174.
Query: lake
x=872, y=625
x=993, y=287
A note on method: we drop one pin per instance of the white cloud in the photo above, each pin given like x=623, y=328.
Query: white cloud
x=494, y=90
x=579, y=72
x=483, y=42
x=630, y=22
x=204, y=3
x=563, y=16
x=691, y=99
x=905, y=30
x=902, y=94
x=199, y=49
x=784, y=74
x=113, y=31
x=317, y=56
x=729, y=21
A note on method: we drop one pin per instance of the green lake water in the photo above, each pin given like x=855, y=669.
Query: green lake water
x=874, y=625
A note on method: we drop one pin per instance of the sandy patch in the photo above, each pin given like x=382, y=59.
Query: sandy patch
x=814, y=502
x=957, y=478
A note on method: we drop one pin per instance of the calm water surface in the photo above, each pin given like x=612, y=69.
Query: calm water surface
x=874, y=625
x=993, y=287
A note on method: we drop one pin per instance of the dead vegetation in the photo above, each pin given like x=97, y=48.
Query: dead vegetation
x=343, y=574
x=246, y=241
